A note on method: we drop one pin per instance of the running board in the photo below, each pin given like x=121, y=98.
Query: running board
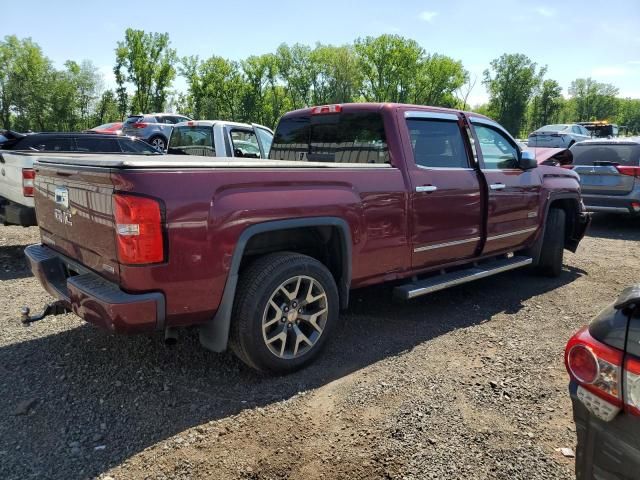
x=446, y=280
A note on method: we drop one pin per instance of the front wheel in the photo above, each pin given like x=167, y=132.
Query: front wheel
x=158, y=143
x=552, y=250
x=285, y=309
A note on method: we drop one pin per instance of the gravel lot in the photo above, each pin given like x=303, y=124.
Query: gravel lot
x=465, y=383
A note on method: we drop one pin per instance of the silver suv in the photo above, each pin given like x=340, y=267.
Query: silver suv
x=153, y=128
x=609, y=172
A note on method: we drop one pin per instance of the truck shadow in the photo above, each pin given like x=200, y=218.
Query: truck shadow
x=617, y=227
x=13, y=265
x=90, y=389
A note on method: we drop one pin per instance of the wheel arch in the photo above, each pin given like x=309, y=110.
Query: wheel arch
x=214, y=335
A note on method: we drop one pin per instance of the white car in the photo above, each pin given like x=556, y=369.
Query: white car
x=562, y=135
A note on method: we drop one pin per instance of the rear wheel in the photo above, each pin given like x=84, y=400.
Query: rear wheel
x=285, y=309
x=551, y=254
x=159, y=143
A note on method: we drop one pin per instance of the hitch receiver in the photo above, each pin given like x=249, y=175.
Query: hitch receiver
x=58, y=307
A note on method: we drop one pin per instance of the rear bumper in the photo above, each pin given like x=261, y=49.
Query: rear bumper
x=94, y=299
x=607, y=450
x=14, y=214
x=612, y=203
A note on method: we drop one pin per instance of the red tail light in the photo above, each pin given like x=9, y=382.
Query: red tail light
x=324, y=109
x=138, y=229
x=632, y=386
x=28, y=176
x=140, y=125
x=631, y=171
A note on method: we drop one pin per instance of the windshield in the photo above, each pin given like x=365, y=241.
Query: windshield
x=192, y=140
x=553, y=128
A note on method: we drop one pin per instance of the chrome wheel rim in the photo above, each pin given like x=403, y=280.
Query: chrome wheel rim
x=295, y=317
x=158, y=143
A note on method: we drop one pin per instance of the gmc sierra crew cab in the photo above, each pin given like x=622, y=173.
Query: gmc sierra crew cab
x=261, y=254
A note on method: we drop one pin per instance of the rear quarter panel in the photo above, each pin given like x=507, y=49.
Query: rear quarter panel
x=207, y=210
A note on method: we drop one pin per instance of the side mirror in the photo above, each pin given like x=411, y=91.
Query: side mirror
x=527, y=160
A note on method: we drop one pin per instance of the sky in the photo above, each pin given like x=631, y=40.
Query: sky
x=574, y=39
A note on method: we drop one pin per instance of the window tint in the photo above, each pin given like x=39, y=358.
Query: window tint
x=102, y=145
x=266, y=138
x=133, y=119
x=192, y=141
x=340, y=138
x=497, y=150
x=245, y=144
x=165, y=120
x=128, y=145
x=437, y=143
x=589, y=154
x=576, y=129
x=49, y=143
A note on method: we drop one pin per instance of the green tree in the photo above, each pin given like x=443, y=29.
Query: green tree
x=511, y=80
x=437, y=80
x=593, y=100
x=546, y=104
x=148, y=63
x=389, y=65
x=337, y=77
x=296, y=72
x=107, y=108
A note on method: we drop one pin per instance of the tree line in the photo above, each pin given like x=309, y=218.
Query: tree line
x=34, y=95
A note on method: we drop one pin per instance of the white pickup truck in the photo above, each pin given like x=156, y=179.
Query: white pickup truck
x=16, y=186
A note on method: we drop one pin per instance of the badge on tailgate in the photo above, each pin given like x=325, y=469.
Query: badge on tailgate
x=62, y=214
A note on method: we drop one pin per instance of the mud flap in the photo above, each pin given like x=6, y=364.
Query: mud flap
x=580, y=225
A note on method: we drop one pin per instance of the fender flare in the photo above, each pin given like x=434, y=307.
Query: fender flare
x=214, y=335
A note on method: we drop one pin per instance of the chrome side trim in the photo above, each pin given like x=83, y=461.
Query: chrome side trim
x=426, y=188
x=593, y=208
x=432, y=115
x=446, y=244
x=512, y=234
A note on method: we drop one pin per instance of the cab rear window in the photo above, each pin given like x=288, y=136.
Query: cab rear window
x=591, y=154
x=333, y=138
x=192, y=140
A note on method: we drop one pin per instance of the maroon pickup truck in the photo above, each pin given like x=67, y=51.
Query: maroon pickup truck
x=262, y=254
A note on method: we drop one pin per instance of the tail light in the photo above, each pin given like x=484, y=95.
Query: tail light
x=138, y=229
x=28, y=175
x=631, y=171
x=597, y=369
x=324, y=109
x=140, y=125
x=568, y=167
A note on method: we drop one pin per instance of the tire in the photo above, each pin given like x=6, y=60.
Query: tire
x=158, y=142
x=550, y=259
x=275, y=327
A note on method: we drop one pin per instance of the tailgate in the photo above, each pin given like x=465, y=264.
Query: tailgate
x=604, y=180
x=75, y=214
x=11, y=166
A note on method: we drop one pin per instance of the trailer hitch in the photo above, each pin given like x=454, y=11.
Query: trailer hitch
x=59, y=307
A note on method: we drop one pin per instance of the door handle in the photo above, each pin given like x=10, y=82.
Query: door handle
x=426, y=188
x=497, y=186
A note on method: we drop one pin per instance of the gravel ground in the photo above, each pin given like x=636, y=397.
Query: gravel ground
x=465, y=383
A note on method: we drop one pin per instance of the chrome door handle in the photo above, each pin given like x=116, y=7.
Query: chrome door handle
x=497, y=186
x=427, y=188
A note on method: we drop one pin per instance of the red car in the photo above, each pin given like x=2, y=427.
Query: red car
x=261, y=253
x=113, y=128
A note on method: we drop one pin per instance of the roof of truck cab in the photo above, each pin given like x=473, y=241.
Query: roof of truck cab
x=211, y=123
x=374, y=106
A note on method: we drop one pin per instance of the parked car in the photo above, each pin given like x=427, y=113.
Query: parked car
x=609, y=172
x=601, y=129
x=217, y=138
x=260, y=254
x=17, y=173
x=113, y=128
x=153, y=128
x=558, y=136
x=603, y=361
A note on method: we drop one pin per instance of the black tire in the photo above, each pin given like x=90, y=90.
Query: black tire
x=158, y=142
x=256, y=287
x=550, y=259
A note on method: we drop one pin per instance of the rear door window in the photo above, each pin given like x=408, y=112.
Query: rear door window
x=101, y=145
x=195, y=140
x=336, y=138
x=49, y=143
x=592, y=154
x=437, y=144
x=245, y=144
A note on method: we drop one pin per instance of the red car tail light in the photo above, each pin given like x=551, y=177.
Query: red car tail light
x=28, y=176
x=632, y=386
x=324, y=109
x=596, y=367
x=139, y=233
x=140, y=125
x=631, y=171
